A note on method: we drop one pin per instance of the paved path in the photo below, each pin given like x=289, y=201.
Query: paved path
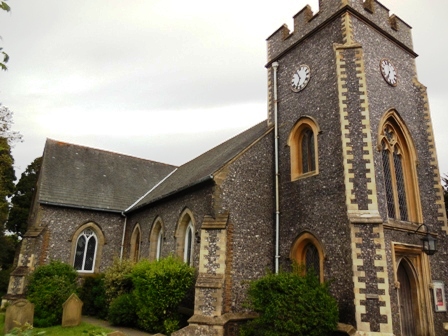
x=105, y=324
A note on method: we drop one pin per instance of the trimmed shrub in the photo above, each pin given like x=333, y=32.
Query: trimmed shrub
x=48, y=288
x=118, y=279
x=93, y=295
x=291, y=304
x=122, y=311
x=159, y=288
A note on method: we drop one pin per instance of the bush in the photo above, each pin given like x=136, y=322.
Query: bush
x=291, y=304
x=93, y=295
x=122, y=311
x=48, y=288
x=117, y=279
x=159, y=288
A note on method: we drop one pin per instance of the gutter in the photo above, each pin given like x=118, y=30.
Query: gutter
x=277, y=197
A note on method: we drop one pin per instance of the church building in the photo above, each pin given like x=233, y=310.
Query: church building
x=342, y=176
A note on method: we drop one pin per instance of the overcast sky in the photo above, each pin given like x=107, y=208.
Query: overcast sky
x=166, y=79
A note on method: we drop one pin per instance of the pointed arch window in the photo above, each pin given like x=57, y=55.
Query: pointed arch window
x=185, y=237
x=135, y=243
x=86, y=246
x=398, y=163
x=156, y=239
x=303, y=148
x=308, y=252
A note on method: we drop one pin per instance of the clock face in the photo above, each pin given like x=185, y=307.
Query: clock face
x=300, y=78
x=389, y=72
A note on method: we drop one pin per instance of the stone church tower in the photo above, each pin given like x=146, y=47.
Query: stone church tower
x=357, y=164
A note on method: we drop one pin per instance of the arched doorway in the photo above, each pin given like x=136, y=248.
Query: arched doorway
x=408, y=299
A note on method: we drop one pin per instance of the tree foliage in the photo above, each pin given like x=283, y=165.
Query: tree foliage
x=22, y=198
x=291, y=304
x=8, y=245
x=160, y=286
x=118, y=279
x=8, y=138
x=4, y=6
x=48, y=288
x=93, y=295
x=7, y=177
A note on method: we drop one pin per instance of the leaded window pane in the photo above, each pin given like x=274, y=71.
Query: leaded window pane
x=137, y=246
x=401, y=191
x=312, y=260
x=79, y=255
x=307, y=148
x=90, y=254
x=388, y=184
x=188, y=244
x=312, y=155
x=159, y=245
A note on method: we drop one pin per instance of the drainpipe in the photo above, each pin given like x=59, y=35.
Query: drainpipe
x=277, y=201
x=124, y=232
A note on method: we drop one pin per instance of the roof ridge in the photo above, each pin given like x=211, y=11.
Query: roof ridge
x=106, y=151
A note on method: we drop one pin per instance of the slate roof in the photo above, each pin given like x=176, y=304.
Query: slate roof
x=83, y=177
x=203, y=167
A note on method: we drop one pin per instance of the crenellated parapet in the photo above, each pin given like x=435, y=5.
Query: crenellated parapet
x=378, y=14
x=306, y=22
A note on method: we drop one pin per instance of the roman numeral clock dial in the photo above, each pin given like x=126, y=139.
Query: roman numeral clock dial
x=389, y=72
x=300, y=78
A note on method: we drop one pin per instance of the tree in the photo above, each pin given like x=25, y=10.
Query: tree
x=8, y=245
x=7, y=177
x=22, y=199
x=4, y=6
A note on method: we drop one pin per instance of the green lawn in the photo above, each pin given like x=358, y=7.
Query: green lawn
x=82, y=329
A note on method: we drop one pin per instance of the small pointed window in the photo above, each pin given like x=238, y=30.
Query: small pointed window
x=303, y=148
x=156, y=239
x=135, y=244
x=185, y=242
x=308, y=252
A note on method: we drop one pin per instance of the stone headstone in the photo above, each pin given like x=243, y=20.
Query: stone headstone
x=72, y=311
x=18, y=313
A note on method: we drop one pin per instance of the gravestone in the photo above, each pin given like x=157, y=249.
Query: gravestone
x=18, y=313
x=72, y=311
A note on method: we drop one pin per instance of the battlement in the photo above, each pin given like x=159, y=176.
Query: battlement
x=305, y=22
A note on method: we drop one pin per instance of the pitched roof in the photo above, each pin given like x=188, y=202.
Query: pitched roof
x=83, y=177
x=203, y=167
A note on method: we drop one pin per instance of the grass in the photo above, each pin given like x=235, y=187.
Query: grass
x=82, y=329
